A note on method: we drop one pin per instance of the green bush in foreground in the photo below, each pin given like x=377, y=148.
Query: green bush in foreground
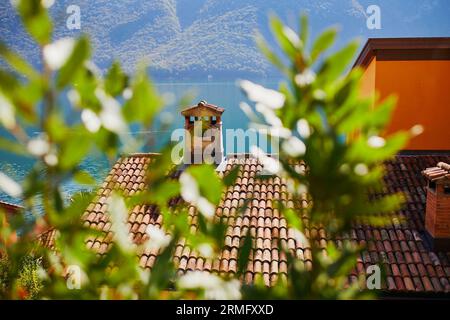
x=28, y=277
x=313, y=112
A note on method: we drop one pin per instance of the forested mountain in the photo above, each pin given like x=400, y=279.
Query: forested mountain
x=199, y=38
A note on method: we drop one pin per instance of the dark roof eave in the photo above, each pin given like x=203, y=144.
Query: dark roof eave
x=404, y=48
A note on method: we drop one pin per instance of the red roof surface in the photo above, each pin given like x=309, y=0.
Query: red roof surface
x=10, y=208
x=400, y=246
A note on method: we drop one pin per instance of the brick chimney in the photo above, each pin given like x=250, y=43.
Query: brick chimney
x=437, y=215
x=203, y=141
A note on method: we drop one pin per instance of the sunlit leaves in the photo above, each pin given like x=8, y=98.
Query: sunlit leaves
x=209, y=184
x=7, y=113
x=267, y=97
x=78, y=55
x=15, y=61
x=213, y=287
x=323, y=42
x=84, y=178
x=231, y=177
x=119, y=215
x=304, y=29
x=144, y=103
x=57, y=53
x=36, y=19
x=337, y=63
x=315, y=115
x=287, y=39
x=270, y=55
x=74, y=150
x=340, y=137
x=9, y=186
x=244, y=253
x=115, y=80
x=11, y=146
x=56, y=128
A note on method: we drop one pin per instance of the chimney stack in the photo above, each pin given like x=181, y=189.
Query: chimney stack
x=437, y=216
x=203, y=130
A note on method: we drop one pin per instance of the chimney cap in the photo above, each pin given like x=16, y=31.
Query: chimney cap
x=440, y=172
x=203, y=104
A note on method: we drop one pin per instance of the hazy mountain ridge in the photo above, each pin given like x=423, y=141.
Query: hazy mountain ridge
x=197, y=38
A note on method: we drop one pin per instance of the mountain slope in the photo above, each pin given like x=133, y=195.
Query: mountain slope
x=190, y=38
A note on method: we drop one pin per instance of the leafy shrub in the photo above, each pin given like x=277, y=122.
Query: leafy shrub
x=317, y=110
x=28, y=283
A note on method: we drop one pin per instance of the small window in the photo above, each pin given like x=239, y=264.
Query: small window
x=213, y=120
x=432, y=185
x=447, y=189
x=191, y=119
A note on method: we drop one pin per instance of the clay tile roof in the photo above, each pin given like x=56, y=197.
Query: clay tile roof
x=400, y=246
x=10, y=208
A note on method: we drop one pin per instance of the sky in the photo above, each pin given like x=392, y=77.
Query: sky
x=183, y=39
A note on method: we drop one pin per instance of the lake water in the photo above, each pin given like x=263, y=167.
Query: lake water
x=224, y=94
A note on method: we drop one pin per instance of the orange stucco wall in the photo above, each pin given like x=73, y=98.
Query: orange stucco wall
x=423, y=91
x=368, y=80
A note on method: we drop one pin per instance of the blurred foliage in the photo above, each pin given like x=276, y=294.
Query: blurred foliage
x=106, y=107
x=322, y=121
x=28, y=280
x=340, y=172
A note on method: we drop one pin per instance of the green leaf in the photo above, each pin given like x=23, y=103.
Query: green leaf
x=36, y=20
x=107, y=142
x=27, y=96
x=163, y=192
x=270, y=55
x=231, y=177
x=382, y=113
x=286, y=41
x=336, y=63
x=75, y=63
x=84, y=178
x=12, y=146
x=116, y=80
x=144, y=103
x=244, y=253
x=85, y=84
x=304, y=29
x=323, y=43
x=16, y=62
x=74, y=150
x=162, y=271
x=208, y=181
x=7, y=81
x=59, y=203
x=56, y=127
x=293, y=218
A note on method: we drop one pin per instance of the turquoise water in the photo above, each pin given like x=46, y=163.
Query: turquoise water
x=224, y=94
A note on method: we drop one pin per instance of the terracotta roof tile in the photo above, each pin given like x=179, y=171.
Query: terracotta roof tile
x=400, y=246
